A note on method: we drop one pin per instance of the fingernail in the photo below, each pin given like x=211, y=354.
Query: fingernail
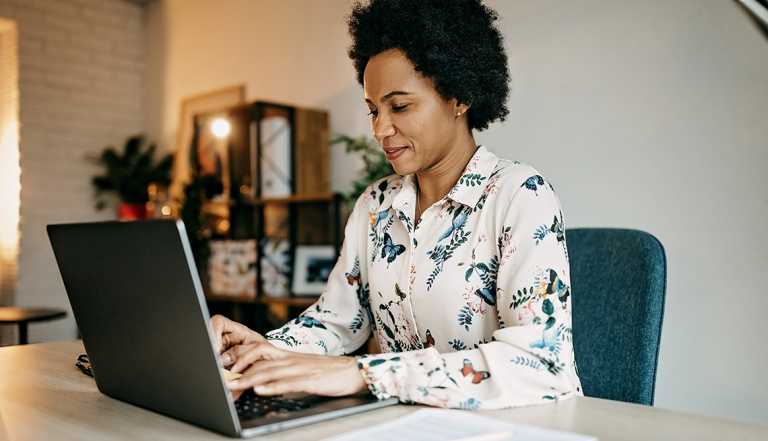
x=226, y=358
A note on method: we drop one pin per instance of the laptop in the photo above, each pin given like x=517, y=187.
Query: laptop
x=139, y=304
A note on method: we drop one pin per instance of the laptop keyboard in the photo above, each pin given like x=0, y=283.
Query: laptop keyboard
x=250, y=405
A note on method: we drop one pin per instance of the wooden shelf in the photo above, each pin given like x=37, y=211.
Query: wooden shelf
x=285, y=301
x=227, y=298
x=304, y=198
x=288, y=301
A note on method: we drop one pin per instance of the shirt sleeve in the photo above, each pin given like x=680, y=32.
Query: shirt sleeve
x=339, y=322
x=529, y=359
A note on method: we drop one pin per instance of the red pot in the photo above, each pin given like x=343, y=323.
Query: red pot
x=127, y=212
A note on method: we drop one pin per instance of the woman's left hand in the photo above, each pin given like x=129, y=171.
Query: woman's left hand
x=273, y=371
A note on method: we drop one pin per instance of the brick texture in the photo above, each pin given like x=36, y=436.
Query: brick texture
x=81, y=76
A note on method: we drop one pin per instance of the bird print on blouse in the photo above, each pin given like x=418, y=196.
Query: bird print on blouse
x=471, y=307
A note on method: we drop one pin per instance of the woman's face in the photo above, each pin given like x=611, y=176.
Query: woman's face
x=414, y=125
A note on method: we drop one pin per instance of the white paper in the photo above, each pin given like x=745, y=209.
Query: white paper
x=455, y=425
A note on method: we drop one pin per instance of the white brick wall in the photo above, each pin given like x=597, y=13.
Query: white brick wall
x=81, y=78
x=9, y=168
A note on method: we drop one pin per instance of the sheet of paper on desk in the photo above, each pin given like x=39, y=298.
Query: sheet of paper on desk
x=455, y=425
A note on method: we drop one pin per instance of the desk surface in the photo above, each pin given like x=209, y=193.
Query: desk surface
x=44, y=396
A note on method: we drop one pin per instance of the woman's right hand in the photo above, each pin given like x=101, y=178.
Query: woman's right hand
x=229, y=333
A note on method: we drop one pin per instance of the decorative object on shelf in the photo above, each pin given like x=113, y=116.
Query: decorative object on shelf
x=129, y=174
x=159, y=204
x=275, y=157
x=312, y=266
x=232, y=268
x=375, y=163
x=191, y=106
x=275, y=267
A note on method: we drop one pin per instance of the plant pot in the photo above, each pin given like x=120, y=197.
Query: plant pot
x=127, y=212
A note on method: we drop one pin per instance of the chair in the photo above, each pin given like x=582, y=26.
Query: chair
x=618, y=281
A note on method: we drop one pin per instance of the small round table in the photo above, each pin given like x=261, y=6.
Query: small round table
x=22, y=317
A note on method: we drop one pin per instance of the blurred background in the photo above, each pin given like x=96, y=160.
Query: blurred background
x=648, y=115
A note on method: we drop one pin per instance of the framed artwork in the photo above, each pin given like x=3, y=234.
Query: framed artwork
x=275, y=157
x=274, y=154
x=275, y=267
x=191, y=106
x=232, y=268
x=311, y=268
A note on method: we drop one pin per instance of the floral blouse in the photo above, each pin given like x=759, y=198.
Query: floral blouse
x=471, y=307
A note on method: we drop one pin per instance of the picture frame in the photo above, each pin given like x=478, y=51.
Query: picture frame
x=311, y=268
x=232, y=268
x=190, y=106
x=275, y=267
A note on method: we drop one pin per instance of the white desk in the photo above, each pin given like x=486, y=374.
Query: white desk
x=43, y=396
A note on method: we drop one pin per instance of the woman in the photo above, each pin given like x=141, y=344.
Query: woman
x=457, y=263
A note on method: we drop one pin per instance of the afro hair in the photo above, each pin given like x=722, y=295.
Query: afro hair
x=452, y=42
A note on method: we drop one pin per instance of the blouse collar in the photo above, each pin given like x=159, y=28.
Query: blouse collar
x=467, y=190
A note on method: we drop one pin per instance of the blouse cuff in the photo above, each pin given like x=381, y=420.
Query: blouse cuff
x=384, y=374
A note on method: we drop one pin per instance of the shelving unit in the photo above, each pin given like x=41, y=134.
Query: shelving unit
x=309, y=215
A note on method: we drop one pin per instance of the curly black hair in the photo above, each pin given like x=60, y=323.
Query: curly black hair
x=453, y=42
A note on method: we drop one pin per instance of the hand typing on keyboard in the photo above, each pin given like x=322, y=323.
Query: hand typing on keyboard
x=272, y=371
x=229, y=333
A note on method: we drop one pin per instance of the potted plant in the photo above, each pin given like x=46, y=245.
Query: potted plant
x=128, y=173
x=375, y=163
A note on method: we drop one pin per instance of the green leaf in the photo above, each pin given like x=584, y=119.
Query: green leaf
x=547, y=307
x=549, y=323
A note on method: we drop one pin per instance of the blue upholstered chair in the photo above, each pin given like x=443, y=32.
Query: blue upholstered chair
x=618, y=281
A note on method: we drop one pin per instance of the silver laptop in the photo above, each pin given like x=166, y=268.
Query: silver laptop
x=138, y=302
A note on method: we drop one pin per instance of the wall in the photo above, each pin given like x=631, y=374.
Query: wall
x=651, y=115
x=81, y=88
x=10, y=172
x=290, y=52
x=645, y=115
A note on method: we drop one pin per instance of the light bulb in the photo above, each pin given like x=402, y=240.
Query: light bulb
x=220, y=128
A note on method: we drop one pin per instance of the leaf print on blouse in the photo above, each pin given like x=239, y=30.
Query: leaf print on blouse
x=471, y=179
x=470, y=404
x=382, y=187
x=467, y=370
x=528, y=362
x=487, y=273
x=465, y=317
x=283, y=336
x=556, y=228
x=392, y=327
x=353, y=276
x=490, y=188
x=547, y=285
x=479, y=299
x=406, y=220
x=309, y=322
x=457, y=344
x=458, y=236
x=357, y=322
x=378, y=232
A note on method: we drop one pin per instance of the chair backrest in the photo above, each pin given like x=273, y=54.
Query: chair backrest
x=618, y=281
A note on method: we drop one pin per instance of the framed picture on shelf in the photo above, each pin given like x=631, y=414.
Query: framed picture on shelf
x=275, y=267
x=311, y=268
x=191, y=106
x=232, y=268
x=276, y=154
